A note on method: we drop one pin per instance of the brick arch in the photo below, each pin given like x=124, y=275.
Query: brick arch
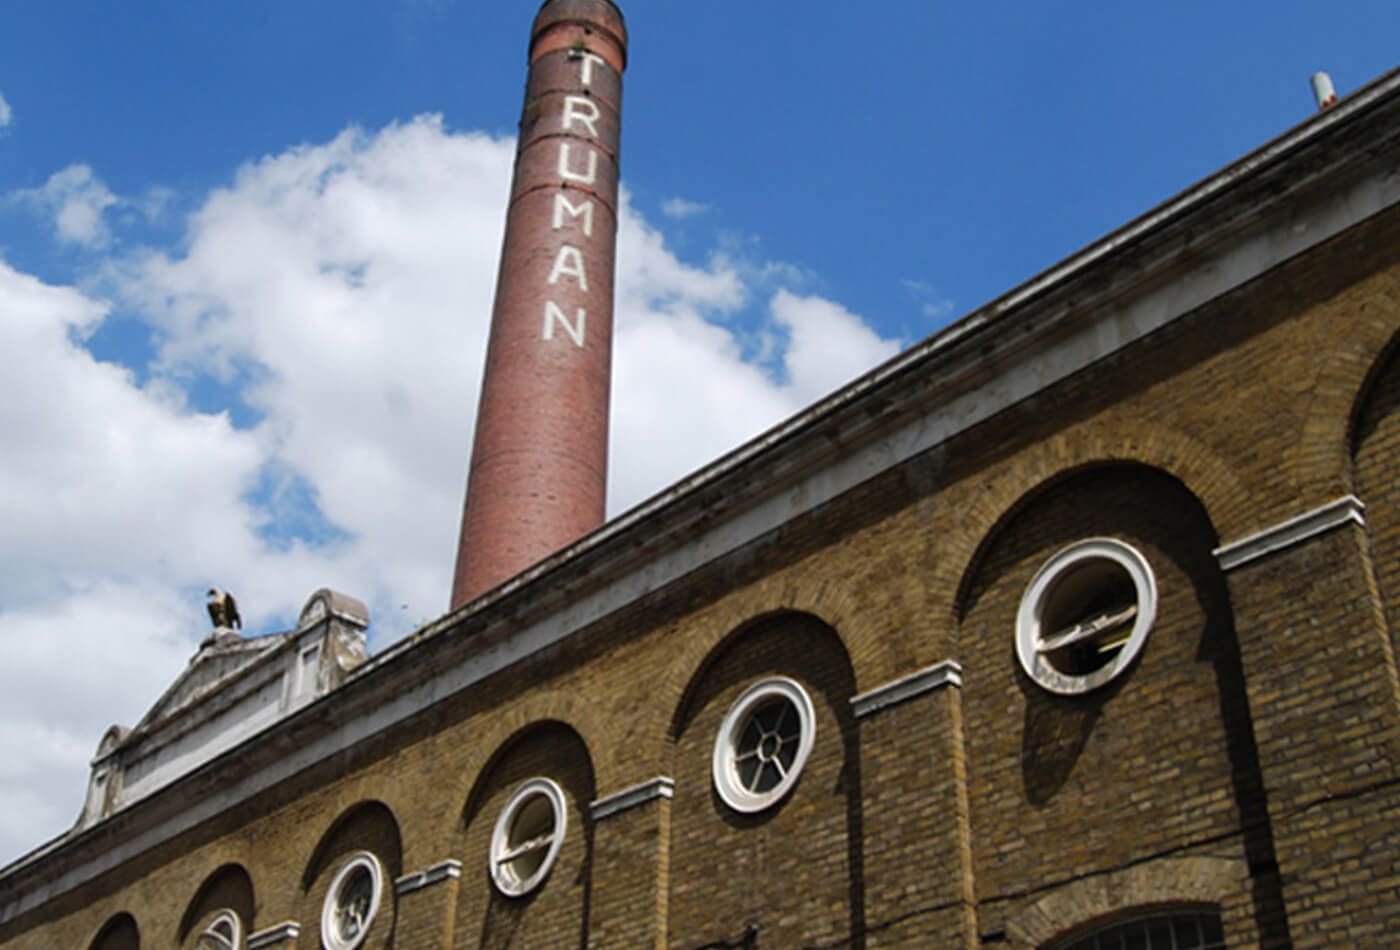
x=119, y=932
x=1373, y=442
x=1225, y=498
x=520, y=734
x=1340, y=392
x=555, y=912
x=366, y=815
x=1184, y=882
x=1372, y=375
x=744, y=861
x=230, y=887
x=368, y=825
x=547, y=705
x=701, y=652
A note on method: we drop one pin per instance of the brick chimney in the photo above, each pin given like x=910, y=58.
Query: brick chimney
x=538, y=476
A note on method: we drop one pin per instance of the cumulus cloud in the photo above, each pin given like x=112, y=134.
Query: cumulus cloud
x=76, y=199
x=7, y=114
x=341, y=292
x=682, y=208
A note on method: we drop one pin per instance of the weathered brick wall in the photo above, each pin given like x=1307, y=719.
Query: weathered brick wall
x=1377, y=448
x=789, y=875
x=1157, y=763
x=121, y=933
x=555, y=914
x=916, y=850
x=229, y=888
x=368, y=827
x=1322, y=685
x=1074, y=809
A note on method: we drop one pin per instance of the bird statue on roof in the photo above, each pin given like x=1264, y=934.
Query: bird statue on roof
x=223, y=610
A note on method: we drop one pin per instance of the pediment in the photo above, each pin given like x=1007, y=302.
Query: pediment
x=220, y=660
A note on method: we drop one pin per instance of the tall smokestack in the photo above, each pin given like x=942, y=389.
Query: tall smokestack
x=538, y=475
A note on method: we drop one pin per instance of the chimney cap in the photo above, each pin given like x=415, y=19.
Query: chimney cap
x=602, y=14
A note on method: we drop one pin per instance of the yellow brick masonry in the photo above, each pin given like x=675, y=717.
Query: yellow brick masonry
x=1248, y=761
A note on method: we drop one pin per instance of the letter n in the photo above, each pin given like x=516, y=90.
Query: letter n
x=553, y=314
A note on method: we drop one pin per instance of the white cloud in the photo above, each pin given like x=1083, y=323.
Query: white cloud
x=76, y=199
x=7, y=115
x=683, y=208
x=343, y=290
x=932, y=305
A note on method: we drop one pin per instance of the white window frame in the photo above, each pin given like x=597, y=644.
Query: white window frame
x=235, y=926
x=724, y=761
x=1029, y=618
x=330, y=937
x=505, y=879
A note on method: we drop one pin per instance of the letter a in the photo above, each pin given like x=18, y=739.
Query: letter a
x=575, y=330
x=569, y=263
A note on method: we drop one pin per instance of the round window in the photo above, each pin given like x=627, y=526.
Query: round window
x=1085, y=615
x=223, y=933
x=528, y=837
x=352, y=902
x=763, y=743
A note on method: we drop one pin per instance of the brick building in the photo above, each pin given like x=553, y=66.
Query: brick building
x=1071, y=626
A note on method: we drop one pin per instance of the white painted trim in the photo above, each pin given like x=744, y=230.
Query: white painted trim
x=1295, y=530
x=360, y=861
x=287, y=930
x=631, y=797
x=945, y=673
x=1030, y=619
x=724, y=766
x=502, y=875
x=434, y=874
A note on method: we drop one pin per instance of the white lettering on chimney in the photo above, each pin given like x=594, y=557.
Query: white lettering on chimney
x=569, y=263
x=586, y=72
x=586, y=178
x=583, y=109
x=563, y=206
x=553, y=314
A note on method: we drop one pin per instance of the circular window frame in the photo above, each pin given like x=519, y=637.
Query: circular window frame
x=235, y=924
x=361, y=860
x=723, y=761
x=1033, y=603
x=506, y=881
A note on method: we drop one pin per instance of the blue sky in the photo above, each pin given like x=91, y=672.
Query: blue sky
x=247, y=252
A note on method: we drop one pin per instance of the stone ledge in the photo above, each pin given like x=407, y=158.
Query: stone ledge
x=287, y=930
x=1293, y=531
x=436, y=874
x=659, y=787
x=946, y=673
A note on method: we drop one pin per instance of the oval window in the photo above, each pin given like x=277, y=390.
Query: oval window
x=1085, y=615
x=528, y=836
x=763, y=744
x=352, y=903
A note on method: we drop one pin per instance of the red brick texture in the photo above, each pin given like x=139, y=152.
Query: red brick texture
x=538, y=476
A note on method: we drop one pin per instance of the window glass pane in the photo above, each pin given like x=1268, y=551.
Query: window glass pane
x=1182, y=930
